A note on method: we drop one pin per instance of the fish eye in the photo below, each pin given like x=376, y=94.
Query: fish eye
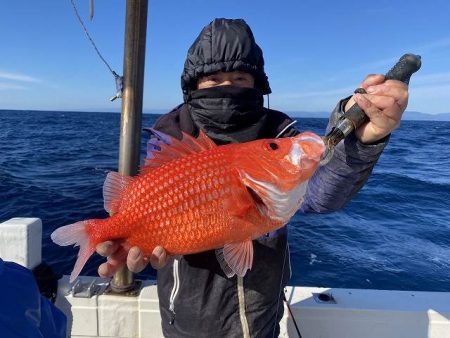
x=273, y=146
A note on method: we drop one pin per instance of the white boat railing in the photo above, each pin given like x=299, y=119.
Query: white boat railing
x=319, y=312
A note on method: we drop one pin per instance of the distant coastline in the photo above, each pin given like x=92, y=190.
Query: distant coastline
x=409, y=115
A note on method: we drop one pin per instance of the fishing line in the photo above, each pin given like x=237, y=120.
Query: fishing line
x=293, y=318
x=118, y=79
x=286, y=250
x=280, y=287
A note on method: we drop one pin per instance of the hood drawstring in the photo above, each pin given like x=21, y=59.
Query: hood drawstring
x=286, y=128
x=176, y=287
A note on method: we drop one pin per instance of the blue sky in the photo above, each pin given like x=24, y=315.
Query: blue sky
x=316, y=52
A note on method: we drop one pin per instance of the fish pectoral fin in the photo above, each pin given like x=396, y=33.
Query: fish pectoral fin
x=113, y=188
x=236, y=258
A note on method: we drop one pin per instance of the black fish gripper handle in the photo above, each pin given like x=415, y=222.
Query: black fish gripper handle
x=406, y=66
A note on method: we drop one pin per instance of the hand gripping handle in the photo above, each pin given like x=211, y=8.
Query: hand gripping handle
x=402, y=71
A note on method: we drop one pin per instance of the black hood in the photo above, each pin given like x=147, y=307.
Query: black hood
x=224, y=45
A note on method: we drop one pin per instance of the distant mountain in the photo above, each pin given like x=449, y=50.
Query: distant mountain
x=409, y=115
x=156, y=111
x=308, y=114
x=417, y=116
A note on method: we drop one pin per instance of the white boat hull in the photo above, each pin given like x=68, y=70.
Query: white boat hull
x=352, y=313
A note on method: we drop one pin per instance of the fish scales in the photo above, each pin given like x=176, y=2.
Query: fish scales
x=178, y=206
x=194, y=196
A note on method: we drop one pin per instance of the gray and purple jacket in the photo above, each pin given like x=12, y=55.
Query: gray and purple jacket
x=196, y=298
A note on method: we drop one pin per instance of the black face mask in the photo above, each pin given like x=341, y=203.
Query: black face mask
x=228, y=114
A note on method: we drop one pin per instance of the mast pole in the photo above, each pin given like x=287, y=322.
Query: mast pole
x=131, y=117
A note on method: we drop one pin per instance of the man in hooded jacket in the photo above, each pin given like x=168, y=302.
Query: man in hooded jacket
x=223, y=84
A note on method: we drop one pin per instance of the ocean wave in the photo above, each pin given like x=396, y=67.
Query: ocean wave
x=394, y=234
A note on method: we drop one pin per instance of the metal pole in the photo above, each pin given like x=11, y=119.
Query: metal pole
x=131, y=120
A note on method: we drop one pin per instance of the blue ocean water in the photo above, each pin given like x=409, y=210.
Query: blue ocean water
x=395, y=234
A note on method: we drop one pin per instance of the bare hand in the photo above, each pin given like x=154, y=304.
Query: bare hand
x=384, y=104
x=118, y=254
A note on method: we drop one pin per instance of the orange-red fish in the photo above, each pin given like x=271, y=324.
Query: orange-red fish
x=193, y=196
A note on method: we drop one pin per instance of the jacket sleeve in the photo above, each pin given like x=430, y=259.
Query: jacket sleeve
x=334, y=184
x=24, y=312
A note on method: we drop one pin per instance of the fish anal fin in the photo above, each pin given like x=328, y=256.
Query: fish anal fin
x=236, y=258
x=113, y=188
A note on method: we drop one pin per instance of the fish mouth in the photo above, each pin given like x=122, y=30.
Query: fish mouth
x=262, y=207
x=306, y=145
x=295, y=154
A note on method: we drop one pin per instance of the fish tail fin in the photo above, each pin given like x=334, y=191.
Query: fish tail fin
x=75, y=234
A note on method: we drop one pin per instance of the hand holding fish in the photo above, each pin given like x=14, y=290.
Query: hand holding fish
x=193, y=196
x=384, y=104
x=117, y=255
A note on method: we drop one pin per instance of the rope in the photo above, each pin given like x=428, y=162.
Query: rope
x=91, y=40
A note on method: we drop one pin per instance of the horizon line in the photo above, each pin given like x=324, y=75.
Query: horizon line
x=159, y=111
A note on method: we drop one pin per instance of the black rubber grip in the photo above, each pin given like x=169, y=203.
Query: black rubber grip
x=402, y=71
x=404, y=68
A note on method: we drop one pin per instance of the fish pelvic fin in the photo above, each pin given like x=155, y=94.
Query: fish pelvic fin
x=162, y=148
x=75, y=234
x=113, y=188
x=236, y=258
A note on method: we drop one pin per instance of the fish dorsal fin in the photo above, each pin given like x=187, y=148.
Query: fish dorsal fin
x=113, y=188
x=236, y=258
x=162, y=148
